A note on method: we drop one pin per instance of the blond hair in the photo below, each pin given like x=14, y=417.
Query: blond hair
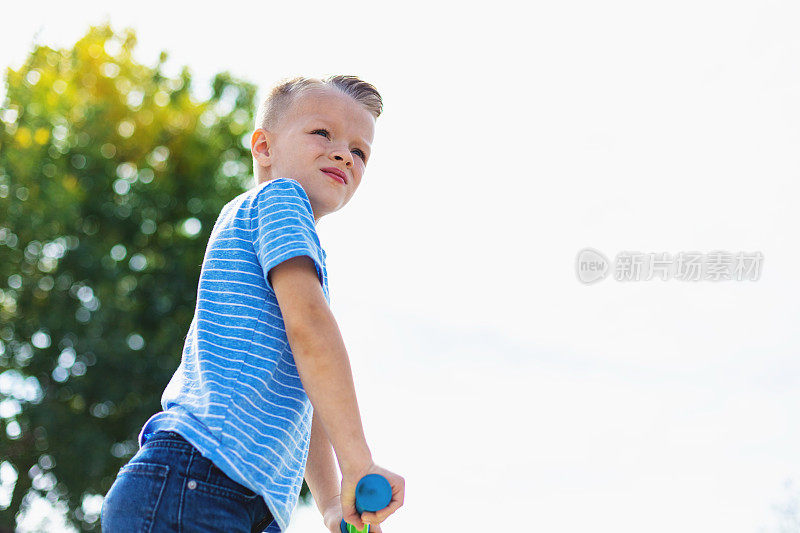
x=281, y=97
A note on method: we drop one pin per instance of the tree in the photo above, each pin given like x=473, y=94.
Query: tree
x=111, y=177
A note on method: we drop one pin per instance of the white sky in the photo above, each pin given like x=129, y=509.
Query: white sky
x=504, y=390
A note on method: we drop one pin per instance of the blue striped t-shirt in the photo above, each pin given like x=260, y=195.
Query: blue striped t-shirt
x=236, y=395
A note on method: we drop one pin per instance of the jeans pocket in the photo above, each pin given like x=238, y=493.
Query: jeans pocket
x=218, y=506
x=225, y=487
x=133, y=498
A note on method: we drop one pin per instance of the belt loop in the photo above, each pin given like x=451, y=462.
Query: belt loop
x=189, y=463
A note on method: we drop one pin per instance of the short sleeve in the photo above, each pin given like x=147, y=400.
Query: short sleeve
x=282, y=225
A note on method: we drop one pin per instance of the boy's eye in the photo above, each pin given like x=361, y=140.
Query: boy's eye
x=327, y=135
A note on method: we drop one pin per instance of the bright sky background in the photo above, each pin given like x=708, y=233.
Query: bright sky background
x=505, y=391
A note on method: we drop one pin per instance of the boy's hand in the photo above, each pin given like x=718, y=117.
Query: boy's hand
x=332, y=517
x=350, y=479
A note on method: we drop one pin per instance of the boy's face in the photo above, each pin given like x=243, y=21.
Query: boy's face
x=322, y=132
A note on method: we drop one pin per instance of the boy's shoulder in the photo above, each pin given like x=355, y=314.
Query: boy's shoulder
x=286, y=191
x=279, y=187
x=268, y=201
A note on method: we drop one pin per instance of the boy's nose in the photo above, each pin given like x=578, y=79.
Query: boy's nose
x=342, y=156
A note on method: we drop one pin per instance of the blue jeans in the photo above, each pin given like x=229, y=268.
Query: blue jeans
x=169, y=487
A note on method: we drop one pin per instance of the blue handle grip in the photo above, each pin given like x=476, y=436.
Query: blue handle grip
x=373, y=493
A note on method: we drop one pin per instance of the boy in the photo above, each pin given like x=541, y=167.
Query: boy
x=264, y=388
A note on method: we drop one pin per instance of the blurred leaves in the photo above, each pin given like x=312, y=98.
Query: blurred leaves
x=111, y=178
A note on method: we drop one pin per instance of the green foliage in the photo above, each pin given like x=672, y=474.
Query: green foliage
x=111, y=177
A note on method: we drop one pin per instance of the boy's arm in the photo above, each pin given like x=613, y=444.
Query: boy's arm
x=321, y=474
x=321, y=359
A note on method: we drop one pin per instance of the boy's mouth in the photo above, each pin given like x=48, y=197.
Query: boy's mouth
x=335, y=173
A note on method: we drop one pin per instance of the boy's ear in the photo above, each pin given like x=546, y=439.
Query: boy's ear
x=261, y=146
